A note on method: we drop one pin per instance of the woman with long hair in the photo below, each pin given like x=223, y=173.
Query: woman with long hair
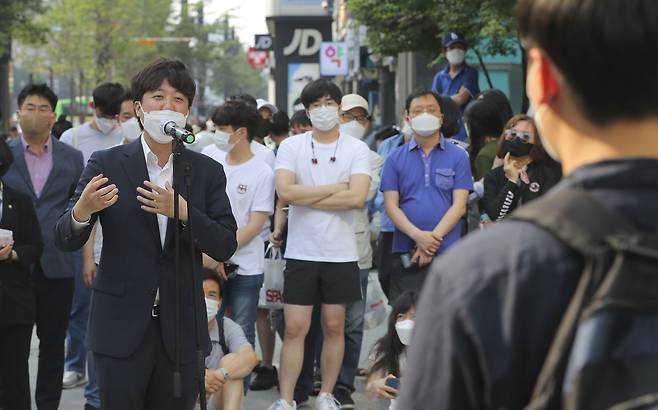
x=389, y=353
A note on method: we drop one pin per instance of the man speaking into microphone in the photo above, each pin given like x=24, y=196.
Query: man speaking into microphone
x=129, y=190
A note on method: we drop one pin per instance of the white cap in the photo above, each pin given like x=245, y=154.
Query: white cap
x=350, y=101
x=266, y=104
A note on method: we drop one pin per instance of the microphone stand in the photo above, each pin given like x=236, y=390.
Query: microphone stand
x=184, y=169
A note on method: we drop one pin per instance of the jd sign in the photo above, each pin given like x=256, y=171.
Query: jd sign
x=304, y=40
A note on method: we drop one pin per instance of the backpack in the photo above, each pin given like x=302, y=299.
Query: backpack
x=605, y=352
x=222, y=338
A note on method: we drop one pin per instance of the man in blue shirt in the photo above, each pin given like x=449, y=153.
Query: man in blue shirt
x=426, y=185
x=457, y=79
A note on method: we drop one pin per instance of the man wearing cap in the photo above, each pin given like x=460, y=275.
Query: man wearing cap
x=457, y=79
x=355, y=121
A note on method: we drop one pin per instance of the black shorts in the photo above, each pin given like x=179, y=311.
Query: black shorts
x=332, y=283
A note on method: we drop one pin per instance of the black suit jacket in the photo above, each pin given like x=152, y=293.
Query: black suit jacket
x=133, y=264
x=16, y=285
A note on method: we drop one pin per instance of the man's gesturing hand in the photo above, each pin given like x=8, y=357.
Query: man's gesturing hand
x=95, y=197
x=161, y=200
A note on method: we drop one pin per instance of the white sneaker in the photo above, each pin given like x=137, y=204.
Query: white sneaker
x=73, y=379
x=282, y=405
x=326, y=401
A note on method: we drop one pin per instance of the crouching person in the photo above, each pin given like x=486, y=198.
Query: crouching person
x=232, y=357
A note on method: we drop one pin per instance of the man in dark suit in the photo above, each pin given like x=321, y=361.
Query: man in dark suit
x=47, y=171
x=128, y=188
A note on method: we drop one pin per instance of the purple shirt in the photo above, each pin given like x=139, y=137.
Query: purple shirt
x=425, y=184
x=38, y=165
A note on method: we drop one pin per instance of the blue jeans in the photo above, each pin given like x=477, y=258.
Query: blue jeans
x=353, y=337
x=77, y=354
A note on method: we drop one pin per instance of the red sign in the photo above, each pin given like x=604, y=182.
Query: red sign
x=258, y=59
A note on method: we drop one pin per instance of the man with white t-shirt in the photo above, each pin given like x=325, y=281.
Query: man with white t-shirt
x=101, y=133
x=323, y=175
x=250, y=188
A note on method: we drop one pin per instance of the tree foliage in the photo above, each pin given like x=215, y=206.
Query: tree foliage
x=396, y=26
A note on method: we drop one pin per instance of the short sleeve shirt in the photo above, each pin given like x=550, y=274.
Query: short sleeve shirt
x=318, y=235
x=425, y=184
x=235, y=340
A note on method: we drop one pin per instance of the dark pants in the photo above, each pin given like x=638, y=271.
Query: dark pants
x=385, y=261
x=145, y=379
x=53, y=301
x=403, y=280
x=14, y=354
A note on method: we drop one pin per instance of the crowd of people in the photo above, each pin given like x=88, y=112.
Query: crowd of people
x=91, y=253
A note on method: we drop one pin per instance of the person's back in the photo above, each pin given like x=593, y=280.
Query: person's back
x=485, y=327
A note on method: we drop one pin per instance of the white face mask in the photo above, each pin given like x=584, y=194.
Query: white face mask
x=210, y=126
x=539, y=113
x=131, y=130
x=353, y=128
x=221, y=140
x=154, y=120
x=407, y=131
x=425, y=125
x=456, y=56
x=404, y=328
x=212, y=307
x=105, y=125
x=324, y=118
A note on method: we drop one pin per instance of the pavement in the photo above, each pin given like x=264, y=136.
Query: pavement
x=73, y=399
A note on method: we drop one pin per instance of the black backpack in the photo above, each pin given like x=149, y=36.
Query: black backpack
x=605, y=353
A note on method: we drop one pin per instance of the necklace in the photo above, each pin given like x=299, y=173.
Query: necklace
x=332, y=159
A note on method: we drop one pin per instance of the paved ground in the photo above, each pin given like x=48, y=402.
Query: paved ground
x=73, y=399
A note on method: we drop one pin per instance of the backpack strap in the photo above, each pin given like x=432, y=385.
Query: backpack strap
x=222, y=337
x=584, y=224
x=576, y=218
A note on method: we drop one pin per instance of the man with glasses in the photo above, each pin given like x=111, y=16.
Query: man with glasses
x=48, y=172
x=426, y=185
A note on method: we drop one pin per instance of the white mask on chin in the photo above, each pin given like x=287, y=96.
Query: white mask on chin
x=155, y=120
x=353, y=128
x=539, y=114
x=131, y=130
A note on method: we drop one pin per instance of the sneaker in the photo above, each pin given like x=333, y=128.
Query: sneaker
x=326, y=401
x=344, y=398
x=265, y=379
x=73, y=379
x=282, y=405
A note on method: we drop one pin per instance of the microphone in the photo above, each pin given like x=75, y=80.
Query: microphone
x=178, y=133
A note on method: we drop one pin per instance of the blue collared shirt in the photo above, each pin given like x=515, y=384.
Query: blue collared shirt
x=425, y=184
x=444, y=84
x=385, y=149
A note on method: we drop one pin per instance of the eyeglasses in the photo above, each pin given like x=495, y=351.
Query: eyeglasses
x=359, y=118
x=522, y=135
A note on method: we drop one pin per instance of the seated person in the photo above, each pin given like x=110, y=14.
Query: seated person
x=389, y=353
x=232, y=357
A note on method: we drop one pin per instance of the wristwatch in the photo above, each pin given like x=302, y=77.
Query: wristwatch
x=225, y=373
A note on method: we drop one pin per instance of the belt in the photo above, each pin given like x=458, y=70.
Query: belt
x=155, y=311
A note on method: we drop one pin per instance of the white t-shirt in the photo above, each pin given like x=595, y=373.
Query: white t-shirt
x=88, y=140
x=250, y=188
x=260, y=151
x=316, y=235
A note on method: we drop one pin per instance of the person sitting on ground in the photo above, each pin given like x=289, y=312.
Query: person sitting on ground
x=232, y=358
x=389, y=353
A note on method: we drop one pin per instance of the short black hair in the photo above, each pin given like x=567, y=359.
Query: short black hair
x=593, y=42
x=451, y=114
x=127, y=96
x=237, y=114
x=483, y=119
x=41, y=90
x=422, y=93
x=154, y=74
x=61, y=125
x=300, y=118
x=214, y=276
x=6, y=157
x=247, y=98
x=107, y=98
x=320, y=88
x=280, y=123
x=500, y=100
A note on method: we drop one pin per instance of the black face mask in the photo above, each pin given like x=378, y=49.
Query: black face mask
x=518, y=148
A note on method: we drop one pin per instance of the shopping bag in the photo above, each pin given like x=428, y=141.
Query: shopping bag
x=377, y=308
x=271, y=293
